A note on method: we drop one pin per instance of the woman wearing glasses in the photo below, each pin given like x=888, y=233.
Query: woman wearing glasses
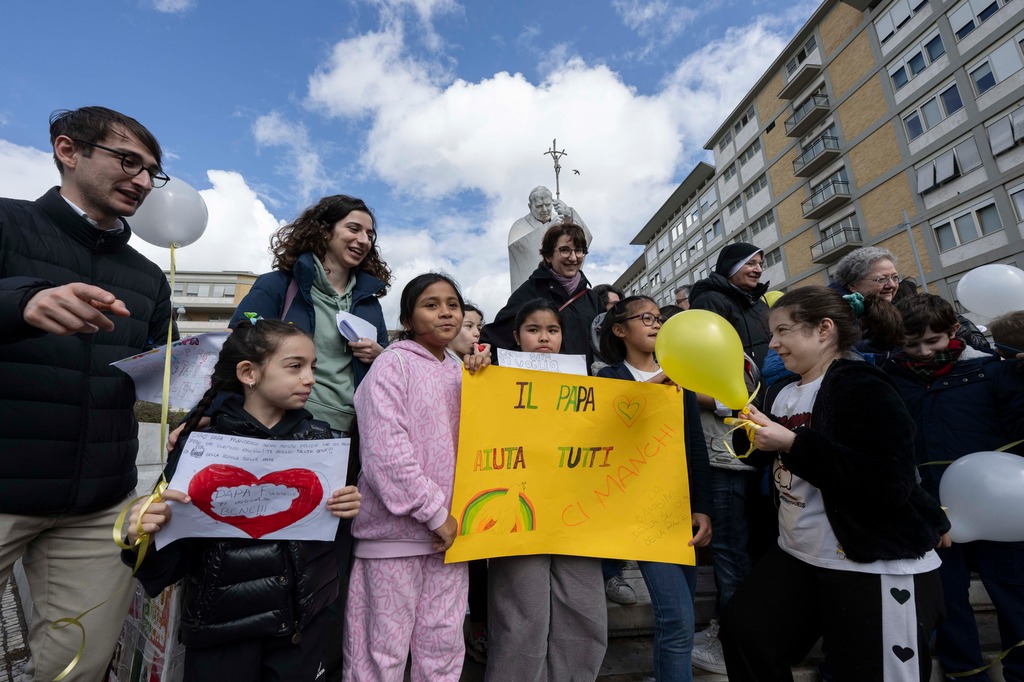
x=868, y=270
x=559, y=279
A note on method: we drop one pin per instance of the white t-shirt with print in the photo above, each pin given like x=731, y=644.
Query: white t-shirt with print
x=804, y=529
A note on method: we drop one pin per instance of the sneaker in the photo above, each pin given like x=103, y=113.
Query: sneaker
x=709, y=657
x=619, y=591
x=476, y=647
x=701, y=638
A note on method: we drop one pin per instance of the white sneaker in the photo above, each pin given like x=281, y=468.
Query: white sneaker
x=710, y=656
x=700, y=639
x=619, y=591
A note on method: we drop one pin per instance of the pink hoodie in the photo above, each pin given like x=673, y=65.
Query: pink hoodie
x=407, y=409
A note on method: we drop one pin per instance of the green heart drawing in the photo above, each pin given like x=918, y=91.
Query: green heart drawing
x=629, y=409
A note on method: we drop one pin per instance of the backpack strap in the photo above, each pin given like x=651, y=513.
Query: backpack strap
x=569, y=302
x=293, y=289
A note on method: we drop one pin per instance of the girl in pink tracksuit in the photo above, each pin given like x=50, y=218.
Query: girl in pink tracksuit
x=402, y=597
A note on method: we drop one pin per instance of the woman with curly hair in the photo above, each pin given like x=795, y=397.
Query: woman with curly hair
x=327, y=261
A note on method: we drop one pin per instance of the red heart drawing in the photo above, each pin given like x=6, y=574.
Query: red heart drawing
x=209, y=480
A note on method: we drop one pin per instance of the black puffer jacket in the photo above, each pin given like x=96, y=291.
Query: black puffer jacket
x=238, y=589
x=68, y=435
x=576, y=317
x=746, y=311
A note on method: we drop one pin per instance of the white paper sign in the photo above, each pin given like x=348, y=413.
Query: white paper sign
x=255, y=488
x=544, y=362
x=192, y=362
x=353, y=327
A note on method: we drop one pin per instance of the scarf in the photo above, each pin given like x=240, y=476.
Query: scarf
x=570, y=284
x=939, y=364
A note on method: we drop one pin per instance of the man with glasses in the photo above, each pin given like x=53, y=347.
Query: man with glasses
x=74, y=297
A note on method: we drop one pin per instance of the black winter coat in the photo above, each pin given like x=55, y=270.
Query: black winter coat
x=577, y=317
x=68, y=435
x=746, y=311
x=239, y=589
x=858, y=451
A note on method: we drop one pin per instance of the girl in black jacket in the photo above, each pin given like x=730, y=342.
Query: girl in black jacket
x=855, y=561
x=251, y=609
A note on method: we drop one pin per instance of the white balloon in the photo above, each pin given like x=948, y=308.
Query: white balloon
x=173, y=214
x=983, y=494
x=992, y=290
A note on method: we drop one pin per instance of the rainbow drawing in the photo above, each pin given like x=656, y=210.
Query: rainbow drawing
x=498, y=511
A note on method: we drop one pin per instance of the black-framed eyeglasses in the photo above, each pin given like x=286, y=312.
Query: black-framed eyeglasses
x=566, y=251
x=132, y=165
x=648, y=319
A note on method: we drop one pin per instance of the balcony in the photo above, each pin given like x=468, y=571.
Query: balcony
x=816, y=156
x=800, y=79
x=806, y=115
x=827, y=198
x=836, y=245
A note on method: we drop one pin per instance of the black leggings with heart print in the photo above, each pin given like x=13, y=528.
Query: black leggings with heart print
x=876, y=628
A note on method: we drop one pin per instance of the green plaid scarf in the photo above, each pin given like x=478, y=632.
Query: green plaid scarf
x=940, y=364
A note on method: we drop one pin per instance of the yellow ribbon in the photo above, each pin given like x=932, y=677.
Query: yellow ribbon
x=995, y=660
x=142, y=543
x=742, y=422
x=950, y=461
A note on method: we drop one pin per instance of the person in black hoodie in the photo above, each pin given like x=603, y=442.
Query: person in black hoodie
x=252, y=609
x=75, y=297
x=734, y=291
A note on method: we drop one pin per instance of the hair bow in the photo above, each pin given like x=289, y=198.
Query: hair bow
x=253, y=317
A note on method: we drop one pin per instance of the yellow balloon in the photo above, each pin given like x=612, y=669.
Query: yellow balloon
x=770, y=297
x=701, y=351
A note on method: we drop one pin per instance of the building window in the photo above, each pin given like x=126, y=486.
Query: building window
x=709, y=199
x=694, y=247
x=1007, y=132
x=179, y=289
x=837, y=182
x=677, y=230
x=932, y=111
x=666, y=271
x=729, y=172
x=724, y=142
x=746, y=118
x=915, y=60
x=192, y=289
x=970, y=14
x=948, y=166
x=896, y=17
x=763, y=223
x=967, y=226
x=773, y=257
x=652, y=256
x=801, y=56
x=756, y=186
x=740, y=237
x=751, y=151
x=1002, y=63
x=679, y=260
x=735, y=205
x=714, y=230
x=1017, y=197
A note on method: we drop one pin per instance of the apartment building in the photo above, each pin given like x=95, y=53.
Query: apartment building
x=897, y=123
x=204, y=301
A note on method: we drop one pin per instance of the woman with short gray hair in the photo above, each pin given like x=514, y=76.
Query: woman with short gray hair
x=868, y=270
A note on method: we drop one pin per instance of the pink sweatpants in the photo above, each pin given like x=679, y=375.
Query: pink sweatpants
x=400, y=605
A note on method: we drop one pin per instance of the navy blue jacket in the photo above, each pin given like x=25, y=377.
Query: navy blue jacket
x=696, y=447
x=269, y=291
x=978, y=406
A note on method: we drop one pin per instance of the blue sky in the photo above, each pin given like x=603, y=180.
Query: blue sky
x=435, y=112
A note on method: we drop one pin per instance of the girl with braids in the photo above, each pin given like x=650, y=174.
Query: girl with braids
x=627, y=341
x=855, y=560
x=252, y=609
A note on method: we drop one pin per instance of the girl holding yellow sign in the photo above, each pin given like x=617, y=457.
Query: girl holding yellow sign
x=627, y=341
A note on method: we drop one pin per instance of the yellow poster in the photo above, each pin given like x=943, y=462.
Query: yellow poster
x=562, y=464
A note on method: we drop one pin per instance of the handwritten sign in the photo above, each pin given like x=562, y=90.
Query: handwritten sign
x=255, y=488
x=192, y=362
x=557, y=464
x=543, y=362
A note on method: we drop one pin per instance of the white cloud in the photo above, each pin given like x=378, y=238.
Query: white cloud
x=26, y=172
x=432, y=137
x=302, y=161
x=657, y=21
x=173, y=6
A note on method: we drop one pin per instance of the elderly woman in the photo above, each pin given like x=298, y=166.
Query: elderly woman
x=868, y=270
x=558, y=278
